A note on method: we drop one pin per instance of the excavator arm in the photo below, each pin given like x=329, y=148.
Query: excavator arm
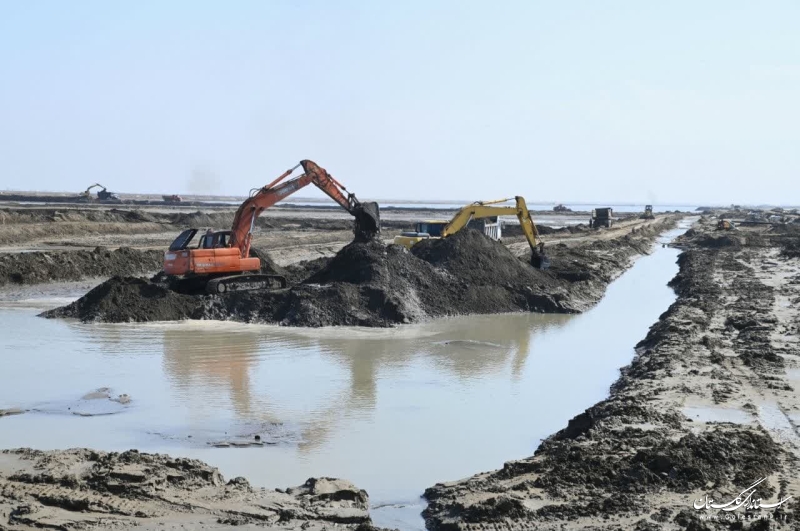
x=486, y=209
x=367, y=220
x=88, y=191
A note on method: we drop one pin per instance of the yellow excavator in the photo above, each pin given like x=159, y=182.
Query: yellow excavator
x=481, y=210
x=102, y=195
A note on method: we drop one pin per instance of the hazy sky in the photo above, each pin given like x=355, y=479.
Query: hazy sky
x=640, y=101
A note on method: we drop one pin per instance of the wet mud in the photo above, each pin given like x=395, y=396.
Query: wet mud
x=375, y=285
x=635, y=460
x=85, y=489
x=54, y=266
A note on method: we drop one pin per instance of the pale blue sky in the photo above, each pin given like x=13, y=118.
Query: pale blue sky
x=642, y=101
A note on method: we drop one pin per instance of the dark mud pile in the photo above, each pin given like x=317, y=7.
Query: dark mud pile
x=371, y=284
x=491, y=278
x=129, y=299
x=50, y=266
x=635, y=460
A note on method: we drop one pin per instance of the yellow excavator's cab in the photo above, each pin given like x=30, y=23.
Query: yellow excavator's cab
x=422, y=231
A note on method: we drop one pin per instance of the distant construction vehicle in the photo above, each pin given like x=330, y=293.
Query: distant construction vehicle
x=102, y=195
x=174, y=198
x=223, y=260
x=648, y=213
x=481, y=210
x=601, y=217
x=561, y=208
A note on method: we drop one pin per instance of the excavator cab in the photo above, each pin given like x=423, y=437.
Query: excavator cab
x=210, y=240
x=422, y=231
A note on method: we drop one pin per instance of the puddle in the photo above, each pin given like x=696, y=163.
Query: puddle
x=718, y=414
x=774, y=420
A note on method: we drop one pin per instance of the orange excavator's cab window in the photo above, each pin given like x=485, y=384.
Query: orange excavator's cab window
x=183, y=240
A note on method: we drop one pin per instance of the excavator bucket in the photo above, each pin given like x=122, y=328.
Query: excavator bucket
x=539, y=260
x=367, y=221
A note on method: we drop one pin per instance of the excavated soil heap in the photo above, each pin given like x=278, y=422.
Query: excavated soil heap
x=490, y=278
x=365, y=284
x=125, y=299
x=371, y=284
x=32, y=268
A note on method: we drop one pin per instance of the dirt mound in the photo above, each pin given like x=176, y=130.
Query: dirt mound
x=127, y=299
x=32, y=268
x=86, y=489
x=491, y=278
x=472, y=257
x=268, y=265
x=298, y=272
x=370, y=284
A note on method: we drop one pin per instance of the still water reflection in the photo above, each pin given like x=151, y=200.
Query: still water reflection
x=394, y=411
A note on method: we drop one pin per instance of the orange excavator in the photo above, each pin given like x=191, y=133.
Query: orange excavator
x=223, y=261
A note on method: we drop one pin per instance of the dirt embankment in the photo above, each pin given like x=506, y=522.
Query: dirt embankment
x=51, y=266
x=707, y=408
x=85, y=489
x=371, y=284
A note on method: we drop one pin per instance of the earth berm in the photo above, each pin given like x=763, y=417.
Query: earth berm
x=375, y=285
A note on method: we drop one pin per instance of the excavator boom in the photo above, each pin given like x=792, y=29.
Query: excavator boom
x=229, y=253
x=367, y=220
x=479, y=210
x=487, y=209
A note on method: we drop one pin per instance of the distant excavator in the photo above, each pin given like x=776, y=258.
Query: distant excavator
x=223, y=261
x=476, y=211
x=102, y=195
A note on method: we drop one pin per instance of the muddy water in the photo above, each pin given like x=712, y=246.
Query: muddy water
x=394, y=411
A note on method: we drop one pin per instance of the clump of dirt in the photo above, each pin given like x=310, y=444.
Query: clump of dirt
x=681, y=465
x=544, y=230
x=129, y=299
x=33, y=268
x=86, y=489
x=791, y=248
x=268, y=265
x=712, y=240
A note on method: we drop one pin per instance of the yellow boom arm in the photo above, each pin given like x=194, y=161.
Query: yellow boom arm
x=486, y=209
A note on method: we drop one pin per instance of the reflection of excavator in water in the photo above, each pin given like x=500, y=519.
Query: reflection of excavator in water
x=481, y=210
x=102, y=195
x=223, y=260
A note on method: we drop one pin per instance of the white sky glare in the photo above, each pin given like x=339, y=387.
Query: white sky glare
x=658, y=102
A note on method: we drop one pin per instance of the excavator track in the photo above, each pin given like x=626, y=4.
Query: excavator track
x=245, y=283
